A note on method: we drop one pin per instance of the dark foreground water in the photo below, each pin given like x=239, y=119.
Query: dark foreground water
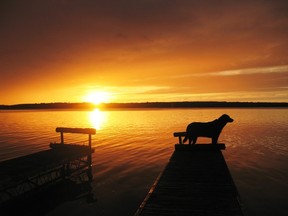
x=133, y=146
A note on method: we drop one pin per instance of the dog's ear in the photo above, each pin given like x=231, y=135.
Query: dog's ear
x=222, y=117
x=226, y=118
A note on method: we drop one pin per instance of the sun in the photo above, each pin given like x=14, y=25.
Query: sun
x=98, y=97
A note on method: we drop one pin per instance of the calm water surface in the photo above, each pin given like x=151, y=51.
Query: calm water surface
x=132, y=147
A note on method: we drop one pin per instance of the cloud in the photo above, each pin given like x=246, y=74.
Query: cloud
x=246, y=71
x=126, y=43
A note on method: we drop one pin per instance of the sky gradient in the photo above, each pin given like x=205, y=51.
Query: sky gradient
x=144, y=50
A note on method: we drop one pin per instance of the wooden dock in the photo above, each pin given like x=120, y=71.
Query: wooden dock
x=196, y=181
x=22, y=175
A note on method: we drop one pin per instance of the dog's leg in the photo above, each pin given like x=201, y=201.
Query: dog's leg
x=194, y=140
x=215, y=139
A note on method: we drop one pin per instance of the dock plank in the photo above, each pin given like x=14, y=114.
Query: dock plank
x=196, y=181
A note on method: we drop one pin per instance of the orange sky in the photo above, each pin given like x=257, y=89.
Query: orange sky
x=144, y=50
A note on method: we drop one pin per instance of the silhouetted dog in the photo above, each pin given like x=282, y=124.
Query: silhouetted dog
x=206, y=129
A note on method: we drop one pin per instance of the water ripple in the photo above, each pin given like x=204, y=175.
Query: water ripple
x=132, y=147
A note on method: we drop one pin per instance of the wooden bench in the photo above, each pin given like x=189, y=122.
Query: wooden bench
x=89, y=131
x=35, y=171
x=179, y=135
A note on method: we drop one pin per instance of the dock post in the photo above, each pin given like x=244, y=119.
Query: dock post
x=89, y=158
x=62, y=137
x=180, y=140
x=90, y=141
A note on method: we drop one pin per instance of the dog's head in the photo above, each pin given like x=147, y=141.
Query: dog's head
x=225, y=118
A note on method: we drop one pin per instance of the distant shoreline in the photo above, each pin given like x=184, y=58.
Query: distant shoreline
x=185, y=104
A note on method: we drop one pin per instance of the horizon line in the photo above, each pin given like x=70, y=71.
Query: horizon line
x=156, y=104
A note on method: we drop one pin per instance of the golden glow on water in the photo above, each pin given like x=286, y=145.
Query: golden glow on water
x=133, y=146
x=97, y=118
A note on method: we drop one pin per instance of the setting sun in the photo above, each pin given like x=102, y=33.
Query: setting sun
x=98, y=97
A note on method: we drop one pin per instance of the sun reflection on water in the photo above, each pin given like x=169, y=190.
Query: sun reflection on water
x=97, y=118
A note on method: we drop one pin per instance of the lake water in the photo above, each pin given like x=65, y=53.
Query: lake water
x=133, y=146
